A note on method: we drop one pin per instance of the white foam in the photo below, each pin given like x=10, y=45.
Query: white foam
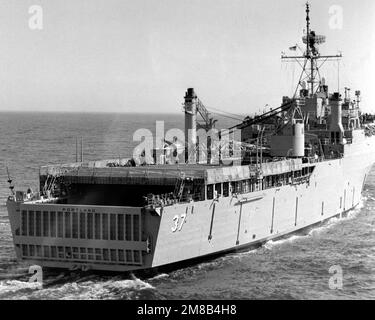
x=90, y=289
x=98, y=290
x=246, y=253
x=272, y=243
x=160, y=276
x=12, y=286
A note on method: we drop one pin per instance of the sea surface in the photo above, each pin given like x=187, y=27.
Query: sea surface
x=294, y=268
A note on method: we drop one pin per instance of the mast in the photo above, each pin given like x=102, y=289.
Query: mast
x=308, y=55
x=311, y=56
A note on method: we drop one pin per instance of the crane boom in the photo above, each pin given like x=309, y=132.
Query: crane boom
x=209, y=122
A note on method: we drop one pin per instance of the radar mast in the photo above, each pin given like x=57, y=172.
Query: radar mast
x=309, y=60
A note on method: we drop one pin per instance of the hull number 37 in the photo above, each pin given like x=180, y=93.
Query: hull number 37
x=178, y=222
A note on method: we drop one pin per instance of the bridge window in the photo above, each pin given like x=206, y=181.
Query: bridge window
x=246, y=186
x=210, y=192
x=252, y=185
x=233, y=187
x=238, y=186
x=218, y=188
x=225, y=189
x=198, y=192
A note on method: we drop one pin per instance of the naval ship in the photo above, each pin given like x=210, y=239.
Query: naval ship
x=291, y=168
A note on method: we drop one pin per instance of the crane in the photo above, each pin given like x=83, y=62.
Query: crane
x=208, y=121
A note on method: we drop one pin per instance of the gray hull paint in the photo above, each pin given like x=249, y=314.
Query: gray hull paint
x=192, y=230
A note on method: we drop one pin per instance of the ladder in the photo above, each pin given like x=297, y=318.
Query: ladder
x=179, y=187
x=48, y=185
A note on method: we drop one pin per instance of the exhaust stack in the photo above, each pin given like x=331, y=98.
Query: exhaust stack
x=335, y=126
x=190, y=125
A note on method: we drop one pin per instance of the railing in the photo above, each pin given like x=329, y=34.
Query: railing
x=300, y=180
x=161, y=200
x=169, y=199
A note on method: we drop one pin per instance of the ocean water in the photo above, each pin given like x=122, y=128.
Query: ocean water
x=293, y=268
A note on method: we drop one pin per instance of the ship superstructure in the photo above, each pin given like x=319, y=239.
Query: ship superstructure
x=292, y=168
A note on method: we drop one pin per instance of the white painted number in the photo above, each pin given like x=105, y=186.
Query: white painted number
x=183, y=217
x=176, y=220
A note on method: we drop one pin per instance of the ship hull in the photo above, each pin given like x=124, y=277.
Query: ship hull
x=190, y=231
x=229, y=223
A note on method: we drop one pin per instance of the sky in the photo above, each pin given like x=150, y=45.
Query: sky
x=142, y=55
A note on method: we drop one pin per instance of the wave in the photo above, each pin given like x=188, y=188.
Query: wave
x=273, y=243
x=245, y=253
x=160, y=276
x=84, y=289
x=11, y=286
